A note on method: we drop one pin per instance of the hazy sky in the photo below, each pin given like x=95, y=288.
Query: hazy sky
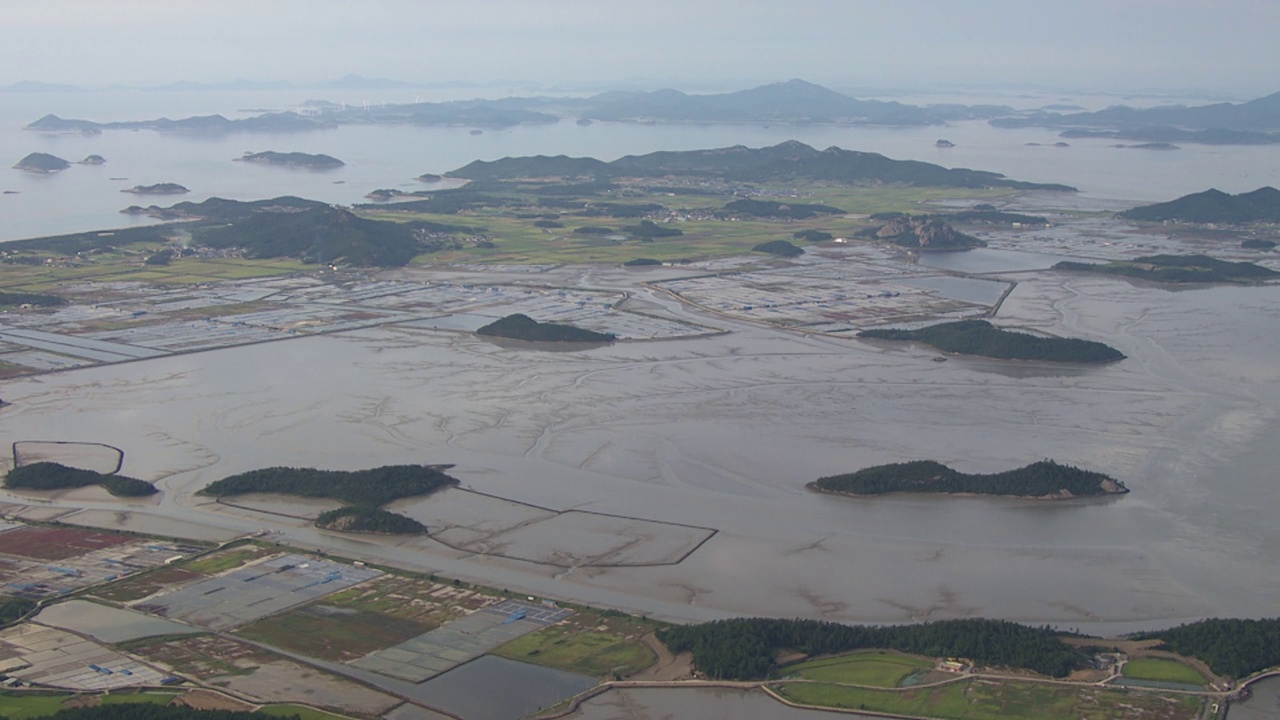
x=1115, y=45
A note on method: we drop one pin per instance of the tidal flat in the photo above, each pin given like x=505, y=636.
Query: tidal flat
x=723, y=431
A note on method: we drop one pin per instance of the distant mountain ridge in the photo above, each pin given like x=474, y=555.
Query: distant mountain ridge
x=1257, y=115
x=791, y=160
x=1213, y=206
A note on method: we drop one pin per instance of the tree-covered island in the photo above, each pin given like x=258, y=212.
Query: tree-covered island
x=1044, y=479
x=979, y=337
x=1179, y=269
x=56, y=476
x=293, y=159
x=523, y=327
x=364, y=491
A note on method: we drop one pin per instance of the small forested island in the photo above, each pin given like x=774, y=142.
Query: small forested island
x=1258, y=244
x=781, y=248
x=157, y=189
x=373, y=488
x=365, y=491
x=523, y=327
x=93, y=160
x=1177, y=269
x=293, y=159
x=365, y=519
x=979, y=337
x=1045, y=479
x=38, y=162
x=56, y=476
x=1213, y=206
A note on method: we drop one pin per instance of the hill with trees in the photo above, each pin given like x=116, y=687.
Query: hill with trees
x=790, y=161
x=781, y=248
x=523, y=327
x=18, y=299
x=1230, y=647
x=1177, y=269
x=1213, y=206
x=923, y=232
x=1044, y=479
x=38, y=162
x=293, y=159
x=747, y=648
x=56, y=476
x=1256, y=116
x=365, y=519
x=979, y=337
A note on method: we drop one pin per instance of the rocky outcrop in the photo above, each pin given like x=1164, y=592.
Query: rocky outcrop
x=926, y=233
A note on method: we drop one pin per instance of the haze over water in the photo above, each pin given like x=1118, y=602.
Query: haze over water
x=87, y=198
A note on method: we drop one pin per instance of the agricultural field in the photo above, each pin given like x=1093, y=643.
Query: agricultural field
x=1162, y=670
x=329, y=632
x=589, y=642
x=976, y=699
x=168, y=576
x=873, y=669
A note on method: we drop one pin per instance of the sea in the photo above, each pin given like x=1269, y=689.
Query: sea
x=85, y=197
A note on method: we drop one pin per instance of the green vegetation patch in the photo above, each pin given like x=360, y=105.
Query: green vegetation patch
x=997, y=700
x=1230, y=647
x=1045, y=478
x=1177, y=269
x=876, y=669
x=374, y=487
x=12, y=608
x=362, y=518
x=301, y=712
x=11, y=299
x=331, y=632
x=587, y=652
x=746, y=648
x=225, y=560
x=781, y=248
x=1163, y=670
x=24, y=705
x=979, y=337
x=56, y=476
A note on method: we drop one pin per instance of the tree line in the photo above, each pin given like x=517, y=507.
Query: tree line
x=746, y=648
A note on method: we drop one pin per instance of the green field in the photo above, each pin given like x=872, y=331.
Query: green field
x=876, y=669
x=221, y=561
x=130, y=698
x=1162, y=670
x=590, y=653
x=302, y=711
x=20, y=706
x=1002, y=700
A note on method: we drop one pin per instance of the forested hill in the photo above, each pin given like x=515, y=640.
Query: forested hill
x=374, y=487
x=1214, y=206
x=788, y=161
x=1040, y=479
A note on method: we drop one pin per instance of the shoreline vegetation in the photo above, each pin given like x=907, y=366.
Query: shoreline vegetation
x=1043, y=480
x=979, y=337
